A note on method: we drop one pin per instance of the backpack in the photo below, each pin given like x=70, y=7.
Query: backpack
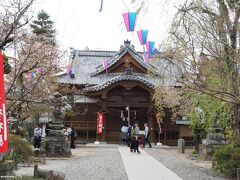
x=37, y=132
x=133, y=132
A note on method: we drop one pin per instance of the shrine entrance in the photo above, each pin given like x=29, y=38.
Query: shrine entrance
x=139, y=102
x=117, y=117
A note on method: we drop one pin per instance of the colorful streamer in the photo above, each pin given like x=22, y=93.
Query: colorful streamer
x=154, y=52
x=40, y=71
x=142, y=36
x=146, y=56
x=33, y=75
x=30, y=76
x=150, y=46
x=129, y=20
x=69, y=69
x=105, y=66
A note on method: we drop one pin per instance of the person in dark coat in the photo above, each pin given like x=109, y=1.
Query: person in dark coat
x=134, y=135
x=72, y=135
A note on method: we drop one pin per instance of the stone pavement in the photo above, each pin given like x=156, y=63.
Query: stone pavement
x=114, y=162
x=145, y=167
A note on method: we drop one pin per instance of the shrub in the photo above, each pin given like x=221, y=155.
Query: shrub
x=20, y=149
x=226, y=160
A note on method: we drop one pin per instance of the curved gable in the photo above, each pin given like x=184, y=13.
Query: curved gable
x=119, y=79
x=127, y=57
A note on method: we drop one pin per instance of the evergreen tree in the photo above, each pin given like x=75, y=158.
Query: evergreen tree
x=43, y=27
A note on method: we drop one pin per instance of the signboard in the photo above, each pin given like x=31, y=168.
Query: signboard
x=44, y=118
x=99, y=122
x=3, y=116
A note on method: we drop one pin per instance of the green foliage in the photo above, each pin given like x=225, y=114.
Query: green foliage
x=167, y=97
x=43, y=26
x=226, y=160
x=213, y=111
x=194, y=152
x=21, y=149
x=7, y=67
x=27, y=178
x=158, y=99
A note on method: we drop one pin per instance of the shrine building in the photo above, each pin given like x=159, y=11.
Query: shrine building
x=125, y=83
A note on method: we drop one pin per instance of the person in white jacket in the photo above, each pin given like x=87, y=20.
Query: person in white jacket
x=37, y=137
x=146, y=135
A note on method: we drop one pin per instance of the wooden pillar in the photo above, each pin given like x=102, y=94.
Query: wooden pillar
x=150, y=125
x=105, y=127
x=87, y=135
x=165, y=134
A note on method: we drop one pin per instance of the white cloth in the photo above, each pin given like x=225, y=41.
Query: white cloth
x=124, y=129
x=146, y=131
x=37, y=132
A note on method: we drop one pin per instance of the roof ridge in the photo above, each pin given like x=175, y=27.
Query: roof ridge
x=122, y=77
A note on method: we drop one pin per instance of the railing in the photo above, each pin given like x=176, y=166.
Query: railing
x=113, y=136
x=81, y=125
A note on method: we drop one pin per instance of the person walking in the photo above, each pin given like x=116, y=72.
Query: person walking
x=146, y=136
x=134, y=135
x=72, y=135
x=129, y=135
x=37, y=137
x=124, y=134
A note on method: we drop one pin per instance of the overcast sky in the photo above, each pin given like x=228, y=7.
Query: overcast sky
x=80, y=24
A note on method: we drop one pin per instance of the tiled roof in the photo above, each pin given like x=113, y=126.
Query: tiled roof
x=136, y=55
x=123, y=77
x=87, y=64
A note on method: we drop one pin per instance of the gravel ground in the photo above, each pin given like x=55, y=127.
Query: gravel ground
x=182, y=166
x=105, y=163
x=87, y=164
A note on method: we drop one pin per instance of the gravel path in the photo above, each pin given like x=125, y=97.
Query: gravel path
x=87, y=164
x=99, y=163
x=183, y=167
x=105, y=163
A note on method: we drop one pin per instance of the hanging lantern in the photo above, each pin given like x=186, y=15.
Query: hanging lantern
x=129, y=20
x=142, y=36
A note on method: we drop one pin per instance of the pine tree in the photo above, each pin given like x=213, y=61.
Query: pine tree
x=43, y=27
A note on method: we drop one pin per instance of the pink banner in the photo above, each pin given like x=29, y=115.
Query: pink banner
x=139, y=33
x=126, y=20
x=99, y=122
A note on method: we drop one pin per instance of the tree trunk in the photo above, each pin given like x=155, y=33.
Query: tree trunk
x=236, y=120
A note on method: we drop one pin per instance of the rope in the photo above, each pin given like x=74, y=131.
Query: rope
x=111, y=109
x=125, y=5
